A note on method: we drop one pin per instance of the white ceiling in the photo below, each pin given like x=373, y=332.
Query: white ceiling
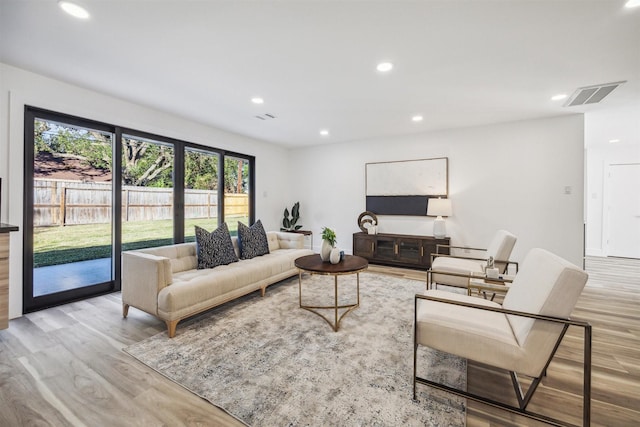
x=457, y=63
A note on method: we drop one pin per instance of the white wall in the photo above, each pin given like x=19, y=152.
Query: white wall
x=507, y=176
x=19, y=88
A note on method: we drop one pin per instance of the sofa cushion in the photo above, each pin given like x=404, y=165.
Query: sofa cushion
x=274, y=240
x=252, y=240
x=195, y=289
x=214, y=248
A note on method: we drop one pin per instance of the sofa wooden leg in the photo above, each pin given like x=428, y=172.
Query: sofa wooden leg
x=171, y=327
x=125, y=310
x=262, y=291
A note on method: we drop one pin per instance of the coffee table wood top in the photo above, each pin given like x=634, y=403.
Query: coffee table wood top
x=349, y=265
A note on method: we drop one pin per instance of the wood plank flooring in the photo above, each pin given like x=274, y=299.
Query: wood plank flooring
x=64, y=366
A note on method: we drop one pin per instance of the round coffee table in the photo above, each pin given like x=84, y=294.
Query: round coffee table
x=313, y=264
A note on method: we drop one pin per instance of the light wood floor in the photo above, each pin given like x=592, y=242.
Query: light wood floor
x=64, y=366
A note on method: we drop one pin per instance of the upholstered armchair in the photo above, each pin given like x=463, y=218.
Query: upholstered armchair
x=520, y=336
x=455, y=270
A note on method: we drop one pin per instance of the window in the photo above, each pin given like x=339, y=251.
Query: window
x=200, y=191
x=94, y=190
x=147, y=193
x=236, y=192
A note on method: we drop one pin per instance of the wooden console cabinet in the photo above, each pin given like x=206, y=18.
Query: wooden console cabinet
x=400, y=250
x=5, y=229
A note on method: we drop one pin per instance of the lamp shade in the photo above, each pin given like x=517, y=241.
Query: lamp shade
x=439, y=207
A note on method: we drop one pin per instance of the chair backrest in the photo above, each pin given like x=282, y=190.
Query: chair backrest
x=546, y=284
x=501, y=245
x=500, y=248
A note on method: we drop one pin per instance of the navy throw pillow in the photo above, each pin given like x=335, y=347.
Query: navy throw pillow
x=252, y=240
x=214, y=248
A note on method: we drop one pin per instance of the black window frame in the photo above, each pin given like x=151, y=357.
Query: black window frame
x=32, y=113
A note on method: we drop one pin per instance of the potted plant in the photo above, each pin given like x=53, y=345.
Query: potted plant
x=328, y=243
x=289, y=223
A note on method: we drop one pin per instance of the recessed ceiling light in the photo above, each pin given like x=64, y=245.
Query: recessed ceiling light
x=324, y=132
x=613, y=141
x=632, y=3
x=257, y=100
x=74, y=9
x=383, y=67
x=417, y=118
x=559, y=97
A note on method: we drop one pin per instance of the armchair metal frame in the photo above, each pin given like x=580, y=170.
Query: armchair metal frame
x=523, y=399
x=497, y=261
x=437, y=254
x=430, y=272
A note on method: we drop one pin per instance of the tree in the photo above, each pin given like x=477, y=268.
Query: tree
x=236, y=174
x=92, y=147
x=200, y=170
x=144, y=163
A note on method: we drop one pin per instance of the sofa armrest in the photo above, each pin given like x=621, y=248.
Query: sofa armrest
x=290, y=240
x=143, y=276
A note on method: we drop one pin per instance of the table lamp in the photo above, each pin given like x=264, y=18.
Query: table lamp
x=439, y=208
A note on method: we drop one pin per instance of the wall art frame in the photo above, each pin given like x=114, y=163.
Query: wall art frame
x=404, y=187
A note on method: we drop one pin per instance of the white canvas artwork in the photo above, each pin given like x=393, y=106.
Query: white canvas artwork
x=426, y=177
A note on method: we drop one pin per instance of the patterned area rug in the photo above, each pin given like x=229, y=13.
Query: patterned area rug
x=270, y=363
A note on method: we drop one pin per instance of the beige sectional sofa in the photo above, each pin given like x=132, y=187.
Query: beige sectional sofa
x=165, y=281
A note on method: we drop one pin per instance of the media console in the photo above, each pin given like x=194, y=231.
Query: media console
x=400, y=250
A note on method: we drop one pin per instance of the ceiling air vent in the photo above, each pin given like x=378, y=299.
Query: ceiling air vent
x=266, y=116
x=591, y=94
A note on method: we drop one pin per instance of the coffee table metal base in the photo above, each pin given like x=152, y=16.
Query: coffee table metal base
x=335, y=307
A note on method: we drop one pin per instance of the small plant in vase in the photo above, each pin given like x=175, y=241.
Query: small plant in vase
x=328, y=243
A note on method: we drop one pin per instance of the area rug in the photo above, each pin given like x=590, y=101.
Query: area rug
x=270, y=363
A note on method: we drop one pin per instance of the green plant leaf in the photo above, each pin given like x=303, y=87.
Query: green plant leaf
x=329, y=235
x=298, y=227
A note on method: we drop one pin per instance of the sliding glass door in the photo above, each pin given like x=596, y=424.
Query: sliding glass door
x=201, y=199
x=147, y=192
x=68, y=210
x=93, y=190
x=236, y=191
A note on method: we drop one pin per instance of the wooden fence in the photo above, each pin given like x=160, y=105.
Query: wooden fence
x=74, y=202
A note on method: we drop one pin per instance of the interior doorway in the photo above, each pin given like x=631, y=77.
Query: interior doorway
x=623, y=210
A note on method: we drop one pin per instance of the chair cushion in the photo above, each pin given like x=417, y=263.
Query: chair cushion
x=479, y=335
x=252, y=240
x=214, y=248
x=455, y=265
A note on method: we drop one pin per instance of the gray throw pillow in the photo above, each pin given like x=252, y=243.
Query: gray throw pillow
x=252, y=240
x=214, y=248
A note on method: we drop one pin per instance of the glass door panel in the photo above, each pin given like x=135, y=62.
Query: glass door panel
x=236, y=192
x=386, y=248
x=147, y=193
x=200, y=191
x=409, y=250
x=72, y=209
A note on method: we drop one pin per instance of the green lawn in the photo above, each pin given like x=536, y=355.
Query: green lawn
x=72, y=243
